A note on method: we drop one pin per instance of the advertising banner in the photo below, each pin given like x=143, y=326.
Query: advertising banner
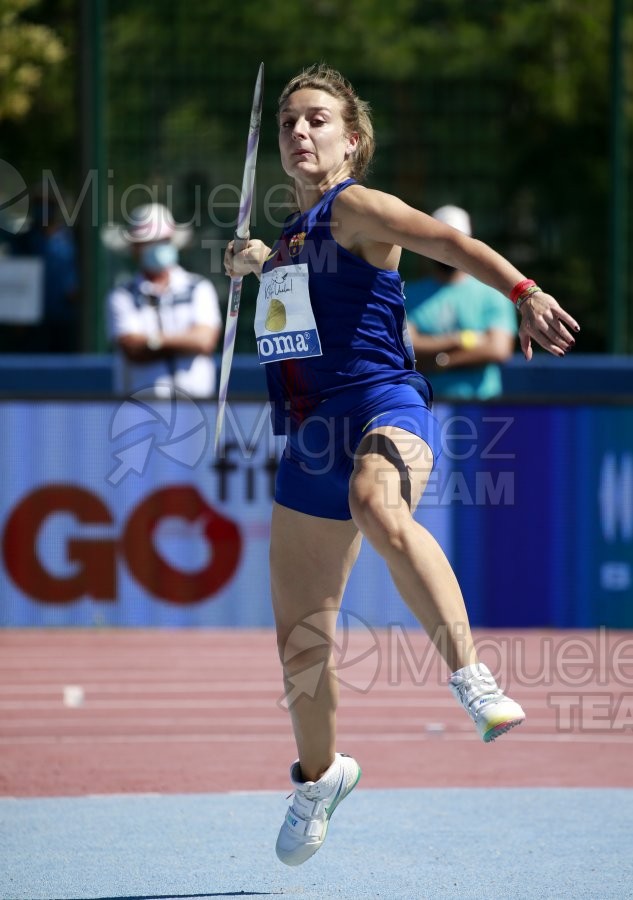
x=560, y=552
x=118, y=514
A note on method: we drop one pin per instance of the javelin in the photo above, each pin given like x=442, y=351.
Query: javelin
x=239, y=243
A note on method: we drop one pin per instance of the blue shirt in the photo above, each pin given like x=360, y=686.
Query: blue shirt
x=359, y=314
x=435, y=307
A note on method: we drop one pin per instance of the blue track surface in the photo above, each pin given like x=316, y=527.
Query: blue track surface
x=416, y=844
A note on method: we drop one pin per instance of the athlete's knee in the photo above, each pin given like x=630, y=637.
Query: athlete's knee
x=301, y=653
x=305, y=642
x=382, y=522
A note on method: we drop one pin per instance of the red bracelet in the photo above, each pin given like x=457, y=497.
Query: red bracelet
x=518, y=289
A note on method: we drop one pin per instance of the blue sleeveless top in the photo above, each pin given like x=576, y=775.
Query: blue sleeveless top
x=359, y=314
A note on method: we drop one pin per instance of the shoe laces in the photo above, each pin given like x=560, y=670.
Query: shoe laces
x=477, y=688
x=304, y=806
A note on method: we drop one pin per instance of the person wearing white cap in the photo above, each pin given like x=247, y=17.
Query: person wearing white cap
x=165, y=322
x=461, y=329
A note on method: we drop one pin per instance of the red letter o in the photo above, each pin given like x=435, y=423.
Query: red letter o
x=151, y=570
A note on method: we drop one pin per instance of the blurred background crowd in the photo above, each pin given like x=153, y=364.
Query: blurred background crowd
x=518, y=113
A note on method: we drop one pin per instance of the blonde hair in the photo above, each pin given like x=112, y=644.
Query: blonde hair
x=356, y=116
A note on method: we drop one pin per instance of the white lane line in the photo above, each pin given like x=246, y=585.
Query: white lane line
x=151, y=687
x=57, y=725
x=612, y=739
x=352, y=684
x=349, y=700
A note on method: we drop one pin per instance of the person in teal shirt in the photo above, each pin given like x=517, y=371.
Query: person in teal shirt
x=461, y=329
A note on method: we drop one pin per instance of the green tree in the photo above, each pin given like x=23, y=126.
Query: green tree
x=46, y=136
x=500, y=106
x=28, y=50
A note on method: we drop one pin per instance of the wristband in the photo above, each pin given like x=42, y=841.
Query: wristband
x=526, y=294
x=468, y=339
x=518, y=289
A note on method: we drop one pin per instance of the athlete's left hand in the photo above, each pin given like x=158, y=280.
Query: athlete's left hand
x=250, y=259
x=543, y=320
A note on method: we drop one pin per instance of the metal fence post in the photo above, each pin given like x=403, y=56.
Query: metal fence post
x=618, y=187
x=91, y=90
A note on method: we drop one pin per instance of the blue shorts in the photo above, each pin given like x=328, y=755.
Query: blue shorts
x=318, y=460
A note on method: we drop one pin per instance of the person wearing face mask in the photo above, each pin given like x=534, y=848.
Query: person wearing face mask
x=165, y=321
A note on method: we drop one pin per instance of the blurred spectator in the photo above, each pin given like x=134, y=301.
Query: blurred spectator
x=461, y=329
x=49, y=238
x=165, y=322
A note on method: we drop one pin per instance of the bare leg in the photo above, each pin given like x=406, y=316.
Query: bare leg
x=391, y=470
x=310, y=562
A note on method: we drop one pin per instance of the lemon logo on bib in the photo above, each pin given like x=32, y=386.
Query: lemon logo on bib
x=276, y=316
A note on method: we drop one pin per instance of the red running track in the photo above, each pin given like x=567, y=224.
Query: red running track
x=196, y=711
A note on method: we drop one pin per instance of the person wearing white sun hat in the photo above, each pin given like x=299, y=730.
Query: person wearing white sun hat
x=164, y=322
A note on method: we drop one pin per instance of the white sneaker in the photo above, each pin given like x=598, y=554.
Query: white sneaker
x=492, y=712
x=313, y=803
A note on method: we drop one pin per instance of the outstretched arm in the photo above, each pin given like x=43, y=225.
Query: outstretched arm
x=372, y=217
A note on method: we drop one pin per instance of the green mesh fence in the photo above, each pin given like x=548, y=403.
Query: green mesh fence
x=473, y=128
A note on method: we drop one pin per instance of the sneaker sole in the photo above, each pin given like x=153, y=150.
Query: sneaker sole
x=500, y=728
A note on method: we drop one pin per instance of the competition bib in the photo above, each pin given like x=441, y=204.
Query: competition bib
x=284, y=322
